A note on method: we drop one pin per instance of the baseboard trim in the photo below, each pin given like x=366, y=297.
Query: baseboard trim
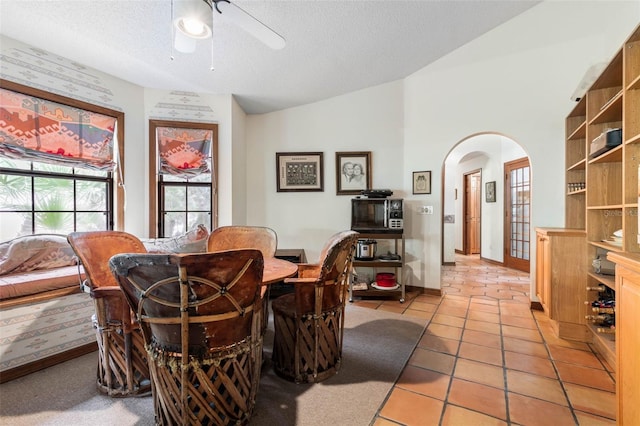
x=448, y=263
x=495, y=262
x=41, y=364
x=423, y=290
x=536, y=306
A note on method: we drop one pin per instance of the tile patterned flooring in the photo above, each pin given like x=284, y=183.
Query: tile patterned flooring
x=487, y=359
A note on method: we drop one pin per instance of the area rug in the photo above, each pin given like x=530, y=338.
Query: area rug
x=377, y=345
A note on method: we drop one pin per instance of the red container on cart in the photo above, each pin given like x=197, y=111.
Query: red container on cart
x=385, y=279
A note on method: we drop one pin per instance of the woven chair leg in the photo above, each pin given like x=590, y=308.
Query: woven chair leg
x=220, y=391
x=307, y=350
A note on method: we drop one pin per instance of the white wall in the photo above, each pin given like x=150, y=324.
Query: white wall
x=239, y=171
x=367, y=120
x=515, y=80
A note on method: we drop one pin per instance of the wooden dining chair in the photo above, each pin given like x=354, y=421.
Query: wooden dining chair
x=309, y=322
x=122, y=360
x=245, y=237
x=198, y=318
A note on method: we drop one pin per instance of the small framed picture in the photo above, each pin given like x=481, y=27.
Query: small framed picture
x=353, y=172
x=422, y=182
x=490, y=191
x=299, y=171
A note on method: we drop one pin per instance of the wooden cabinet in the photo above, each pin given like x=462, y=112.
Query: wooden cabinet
x=602, y=189
x=627, y=337
x=380, y=264
x=560, y=279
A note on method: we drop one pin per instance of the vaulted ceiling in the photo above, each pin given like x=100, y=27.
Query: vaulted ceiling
x=333, y=47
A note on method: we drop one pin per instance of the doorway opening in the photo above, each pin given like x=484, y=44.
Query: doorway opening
x=477, y=210
x=471, y=213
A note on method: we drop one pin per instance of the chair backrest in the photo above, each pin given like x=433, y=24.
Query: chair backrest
x=243, y=237
x=94, y=249
x=192, y=303
x=335, y=264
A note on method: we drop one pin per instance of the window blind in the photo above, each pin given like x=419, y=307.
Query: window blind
x=184, y=152
x=36, y=129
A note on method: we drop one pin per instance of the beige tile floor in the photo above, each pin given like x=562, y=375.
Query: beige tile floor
x=487, y=359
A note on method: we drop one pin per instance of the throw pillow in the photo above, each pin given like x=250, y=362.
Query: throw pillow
x=32, y=252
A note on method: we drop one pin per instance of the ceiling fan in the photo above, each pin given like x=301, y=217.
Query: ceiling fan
x=194, y=18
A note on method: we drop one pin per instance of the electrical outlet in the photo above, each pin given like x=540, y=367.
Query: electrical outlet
x=425, y=210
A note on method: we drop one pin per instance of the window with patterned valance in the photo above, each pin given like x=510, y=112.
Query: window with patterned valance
x=183, y=176
x=58, y=159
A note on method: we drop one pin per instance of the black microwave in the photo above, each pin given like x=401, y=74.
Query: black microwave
x=371, y=215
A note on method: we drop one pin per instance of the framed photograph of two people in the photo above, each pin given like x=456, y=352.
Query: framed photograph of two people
x=353, y=172
x=422, y=182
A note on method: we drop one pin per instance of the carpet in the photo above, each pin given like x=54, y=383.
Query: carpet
x=377, y=345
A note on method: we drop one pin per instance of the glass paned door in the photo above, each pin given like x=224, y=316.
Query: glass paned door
x=517, y=214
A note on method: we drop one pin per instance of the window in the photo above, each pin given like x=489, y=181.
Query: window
x=55, y=174
x=183, y=163
x=38, y=198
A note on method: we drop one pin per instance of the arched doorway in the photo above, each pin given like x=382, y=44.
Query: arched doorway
x=486, y=153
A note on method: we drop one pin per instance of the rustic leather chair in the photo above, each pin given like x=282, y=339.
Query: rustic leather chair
x=245, y=237
x=240, y=237
x=122, y=360
x=197, y=314
x=308, y=323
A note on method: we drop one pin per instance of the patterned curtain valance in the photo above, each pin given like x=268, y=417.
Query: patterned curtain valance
x=184, y=152
x=36, y=129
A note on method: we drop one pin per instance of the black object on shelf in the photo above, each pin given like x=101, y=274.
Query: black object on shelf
x=291, y=255
x=605, y=142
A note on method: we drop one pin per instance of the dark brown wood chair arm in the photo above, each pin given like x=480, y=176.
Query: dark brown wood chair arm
x=308, y=269
x=106, y=291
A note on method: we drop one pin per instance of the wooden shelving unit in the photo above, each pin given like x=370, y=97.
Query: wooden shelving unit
x=576, y=163
x=608, y=204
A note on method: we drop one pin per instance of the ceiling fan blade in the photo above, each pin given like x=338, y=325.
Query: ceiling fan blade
x=250, y=24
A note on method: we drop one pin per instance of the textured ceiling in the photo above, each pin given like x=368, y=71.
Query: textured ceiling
x=333, y=47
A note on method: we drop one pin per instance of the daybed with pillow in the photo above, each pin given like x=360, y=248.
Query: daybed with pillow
x=45, y=318
x=45, y=314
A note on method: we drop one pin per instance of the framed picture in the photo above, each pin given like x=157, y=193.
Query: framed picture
x=422, y=182
x=299, y=171
x=490, y=192
x=353, y=172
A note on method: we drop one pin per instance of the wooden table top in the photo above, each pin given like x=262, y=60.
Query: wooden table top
x=276, y=270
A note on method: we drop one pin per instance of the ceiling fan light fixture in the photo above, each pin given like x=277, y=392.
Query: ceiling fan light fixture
x=193, y=27
x=183, y=43
x=188, y=32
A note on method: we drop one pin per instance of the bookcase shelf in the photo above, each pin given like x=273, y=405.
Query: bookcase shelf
x=609, y=202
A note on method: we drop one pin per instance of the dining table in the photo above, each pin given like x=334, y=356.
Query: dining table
x=276, y=270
